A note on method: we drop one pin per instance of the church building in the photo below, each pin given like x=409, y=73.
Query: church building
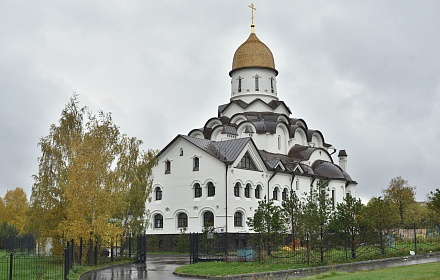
x=251, y=150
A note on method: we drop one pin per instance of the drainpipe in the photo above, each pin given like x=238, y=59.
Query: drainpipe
x=226, y=197
x=273, y=175
x=291, y=181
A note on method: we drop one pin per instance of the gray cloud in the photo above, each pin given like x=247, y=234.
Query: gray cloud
x=365, y=73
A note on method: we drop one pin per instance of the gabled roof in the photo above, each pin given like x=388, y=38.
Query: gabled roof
x=226, y=151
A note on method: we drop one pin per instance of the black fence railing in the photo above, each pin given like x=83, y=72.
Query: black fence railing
x=19, y=259
x=96, y=252
x=316, y=247
x=23, y=267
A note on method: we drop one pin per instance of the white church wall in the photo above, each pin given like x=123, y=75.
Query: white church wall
x=248, y=85
x=178, y=187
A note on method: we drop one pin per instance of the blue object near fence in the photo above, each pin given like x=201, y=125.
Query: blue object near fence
x=246, y=254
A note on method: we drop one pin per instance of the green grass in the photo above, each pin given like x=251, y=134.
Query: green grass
x=419, y=272
x=29, y=267
x=232, y=268
x=429, y=271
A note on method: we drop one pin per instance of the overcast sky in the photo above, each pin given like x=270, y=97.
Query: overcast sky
x=364, y=73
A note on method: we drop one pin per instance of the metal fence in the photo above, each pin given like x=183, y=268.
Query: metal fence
x=314, y=248
x=19, y=260
x=23, y=267
x=97, y=252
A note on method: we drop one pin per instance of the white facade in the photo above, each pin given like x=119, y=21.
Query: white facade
x=253, y=149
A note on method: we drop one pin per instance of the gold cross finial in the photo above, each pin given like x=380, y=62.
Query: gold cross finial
x=253, y=9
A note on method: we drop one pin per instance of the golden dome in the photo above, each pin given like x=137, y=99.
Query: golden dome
x=253, y=53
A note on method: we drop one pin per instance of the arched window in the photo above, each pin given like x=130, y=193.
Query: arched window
x=181, y=151
x=158, y=192
x=197, y=190
x=275, y=193
x=196, y=164
x=211, y=189
x=182, y=220
x=167, y=167
x=208, y=219
x=237, y=190
x=258, y=192
x=239, y=84
x=257, y=83
x=158, y=221
x=238, y=219
x=284, y=195
x=247, y=191
x=279, y=142
x=271, y=84
x=297, y=185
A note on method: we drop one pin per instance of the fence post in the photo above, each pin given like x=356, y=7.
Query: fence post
x=96, y=252
x=112, y=249
x=382, y=245
x=11, y=257
x=66, y=261
x=80, y=250
x=71, y=254
x=346, y=245
x=129, y=246
x=308, y=247
x=415, y=239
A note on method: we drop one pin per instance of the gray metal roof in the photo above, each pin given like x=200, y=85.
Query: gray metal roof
x=226, y=151
x=328, y=170
x=300, y=152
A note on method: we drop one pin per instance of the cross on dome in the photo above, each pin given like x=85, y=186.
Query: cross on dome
x=252, y=18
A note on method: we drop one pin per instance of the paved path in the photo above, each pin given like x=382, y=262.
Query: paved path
x=158, y=267
x=161, y=267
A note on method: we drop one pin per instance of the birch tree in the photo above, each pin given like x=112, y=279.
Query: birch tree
x=87, y=174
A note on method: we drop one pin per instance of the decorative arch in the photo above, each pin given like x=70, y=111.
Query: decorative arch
x=238, y=119
x=213, y=122
x=300, y=136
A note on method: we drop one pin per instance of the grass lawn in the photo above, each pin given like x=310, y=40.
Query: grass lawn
x=420, y=271
x=232, y=268
x=429, y=271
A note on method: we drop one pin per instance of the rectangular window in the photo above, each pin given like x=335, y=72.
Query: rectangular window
x=167, y=167
x=239, y=84
x=271, y=85
x=196, y=163
x=257, y=84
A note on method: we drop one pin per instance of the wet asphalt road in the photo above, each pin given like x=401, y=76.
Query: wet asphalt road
x=158, y=267
x=161, y=267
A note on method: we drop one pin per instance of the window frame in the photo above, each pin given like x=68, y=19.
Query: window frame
x=237, y=189
x=158, y=193
x=238, y=219
x=258, y=191
x=211, y=189
x=167, y=167
x=196, y=163
x=158, y=221
x=284, y=194
x=198, y=191
x=275, y=193
x=247, y=191
x=207, y=219
x=182, y=220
